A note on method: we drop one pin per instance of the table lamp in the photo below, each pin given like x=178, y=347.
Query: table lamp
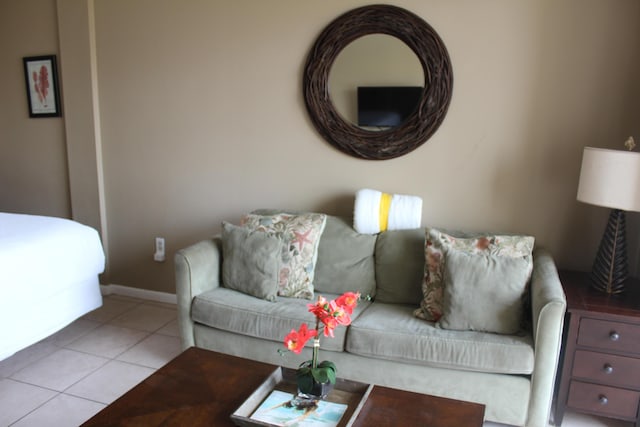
x=611, y=178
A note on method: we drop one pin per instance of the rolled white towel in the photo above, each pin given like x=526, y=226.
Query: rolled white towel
x=405, y=212
x=366, y=217
x=376, y=211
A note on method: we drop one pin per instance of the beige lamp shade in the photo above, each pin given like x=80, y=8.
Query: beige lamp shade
x=610, y=178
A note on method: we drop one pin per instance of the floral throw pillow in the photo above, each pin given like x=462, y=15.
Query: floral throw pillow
x=300, y=235
x=436, y=245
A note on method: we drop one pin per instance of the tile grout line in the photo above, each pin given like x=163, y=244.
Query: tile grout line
x=98, y=323
x=64, y=392
x=58, y=393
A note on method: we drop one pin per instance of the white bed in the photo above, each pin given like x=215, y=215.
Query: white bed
x=48, y=277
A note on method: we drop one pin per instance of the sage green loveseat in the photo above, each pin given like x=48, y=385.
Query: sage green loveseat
x=513, y=375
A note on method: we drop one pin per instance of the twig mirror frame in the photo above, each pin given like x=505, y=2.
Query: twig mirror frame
x=434, y=101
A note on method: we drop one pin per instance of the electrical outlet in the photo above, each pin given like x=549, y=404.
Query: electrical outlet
x=158, y=256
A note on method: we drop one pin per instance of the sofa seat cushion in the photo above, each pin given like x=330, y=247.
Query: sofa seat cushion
x=233, y=311
x=391, y=332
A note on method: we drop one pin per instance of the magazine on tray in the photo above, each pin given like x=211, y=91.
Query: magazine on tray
x=276, y=410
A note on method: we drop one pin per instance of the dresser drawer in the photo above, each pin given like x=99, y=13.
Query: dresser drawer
x=604, y=400
x=607, y=368
x=616, y=336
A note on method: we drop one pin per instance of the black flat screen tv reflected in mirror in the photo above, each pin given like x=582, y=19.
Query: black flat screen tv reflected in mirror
x=386, y=106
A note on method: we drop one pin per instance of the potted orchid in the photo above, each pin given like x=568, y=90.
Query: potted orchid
x=314, y=379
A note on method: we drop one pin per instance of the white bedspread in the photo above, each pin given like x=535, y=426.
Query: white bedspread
x=48, y=277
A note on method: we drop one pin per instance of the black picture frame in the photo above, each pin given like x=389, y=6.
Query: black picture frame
x=43, y=92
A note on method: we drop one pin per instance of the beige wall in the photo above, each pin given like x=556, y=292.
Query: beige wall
x=33, y=164
x=202, y=119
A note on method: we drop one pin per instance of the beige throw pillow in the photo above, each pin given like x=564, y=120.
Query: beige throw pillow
x=436, y=244
x=250, y=261
x=483, y=292
x=300, y=235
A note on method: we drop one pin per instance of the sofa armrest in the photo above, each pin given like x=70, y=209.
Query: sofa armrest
x=198, y=269
x=548, y=305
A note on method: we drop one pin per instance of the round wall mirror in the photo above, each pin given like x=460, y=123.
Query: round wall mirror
x=367, y=63
x=335, y=119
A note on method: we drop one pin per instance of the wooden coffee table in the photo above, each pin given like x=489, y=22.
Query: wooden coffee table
x=203, y=388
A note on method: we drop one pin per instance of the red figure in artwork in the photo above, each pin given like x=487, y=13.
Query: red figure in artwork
x=41, y=84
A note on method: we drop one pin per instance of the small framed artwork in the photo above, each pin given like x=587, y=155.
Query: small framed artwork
x=41, y=77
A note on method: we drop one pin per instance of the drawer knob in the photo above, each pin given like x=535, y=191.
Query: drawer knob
x=607, y=368
x=603, y=399
x=614, y=336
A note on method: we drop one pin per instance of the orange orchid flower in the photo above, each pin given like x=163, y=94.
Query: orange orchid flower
x=348, y=301
x=296, y=340
x=329, y=315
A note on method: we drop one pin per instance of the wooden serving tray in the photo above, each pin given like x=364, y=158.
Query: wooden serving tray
x=352, y=393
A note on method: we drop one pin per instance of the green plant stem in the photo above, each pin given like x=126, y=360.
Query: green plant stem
x=316, y=345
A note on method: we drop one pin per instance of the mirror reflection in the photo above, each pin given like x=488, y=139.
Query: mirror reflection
x=376, y=82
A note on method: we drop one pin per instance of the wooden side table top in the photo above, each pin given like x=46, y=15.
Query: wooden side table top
x=582, y=297
x=203, y=388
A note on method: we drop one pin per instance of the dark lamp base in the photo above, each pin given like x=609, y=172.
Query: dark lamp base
x=610, y=268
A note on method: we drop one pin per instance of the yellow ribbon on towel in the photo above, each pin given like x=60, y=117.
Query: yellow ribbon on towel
x=385, y=205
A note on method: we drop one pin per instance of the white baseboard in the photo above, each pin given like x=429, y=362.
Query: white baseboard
x=139, y=293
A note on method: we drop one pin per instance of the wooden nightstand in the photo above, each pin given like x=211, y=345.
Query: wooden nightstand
x=600, y=366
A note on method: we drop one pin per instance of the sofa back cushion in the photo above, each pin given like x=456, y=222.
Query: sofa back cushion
x=345, y=259
x=400, y=266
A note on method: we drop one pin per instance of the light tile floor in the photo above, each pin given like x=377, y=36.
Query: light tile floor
x=68, y=377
